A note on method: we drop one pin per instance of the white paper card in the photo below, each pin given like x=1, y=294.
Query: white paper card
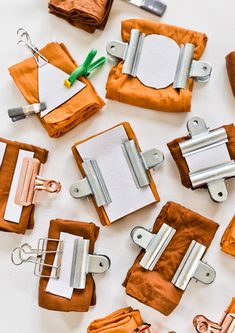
x=52, y=90
x=107, y=151
x=158, y=61
x=61, y=286
x=2, y=151
x=208, y=158
x=13, y=211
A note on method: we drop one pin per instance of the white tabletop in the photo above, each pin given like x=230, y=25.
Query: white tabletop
x=19, y=311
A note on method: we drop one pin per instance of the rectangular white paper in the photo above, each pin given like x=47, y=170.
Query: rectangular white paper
x=13, y=211
x=2, y=151
x=208, y=158
x=61, y=286
x=106, y=149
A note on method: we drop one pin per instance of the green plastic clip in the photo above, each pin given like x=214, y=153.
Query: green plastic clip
x=86, y=68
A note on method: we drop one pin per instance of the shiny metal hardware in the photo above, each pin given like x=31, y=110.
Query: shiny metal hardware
x=25, y=39
x=23, y=112
x=213, y=177
x=135, y=55
x=145, y=328
x=192, y=267
x=30, y=182
x=154, y=244
x=84, y=263
x=204, y=325
x=26, y=253
x=153, y=6
x=139, y=163
x=93, y=184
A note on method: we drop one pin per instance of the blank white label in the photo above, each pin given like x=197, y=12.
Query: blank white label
x=2, y=151
x=13, y=211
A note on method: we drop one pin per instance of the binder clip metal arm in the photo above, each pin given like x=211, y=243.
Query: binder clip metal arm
x=227, y=325
x=182, y=65
x=191, y=265
x=145, y=328
x=213, y=177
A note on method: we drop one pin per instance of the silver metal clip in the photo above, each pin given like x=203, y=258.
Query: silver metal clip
x=139, y=163
x=227, y=324
x=93, y=184
x=213, y=177
x=168, y=63
x=154, y=244
x=23, y=112
x=26, y=253
x=153, y=6
x=84, y=263
x=192, y=267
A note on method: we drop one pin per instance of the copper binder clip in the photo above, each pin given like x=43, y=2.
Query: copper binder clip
x=146, y=328
x=30, y=182
x=204, y=325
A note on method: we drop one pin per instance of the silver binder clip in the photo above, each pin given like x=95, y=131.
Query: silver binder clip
x=139, y=162
x=153, y=6
x=158, y=61
x=26, y=253
x=84, y=263
x=226, y=325
x=23, y=112
x=191, y=265
x=213, y=177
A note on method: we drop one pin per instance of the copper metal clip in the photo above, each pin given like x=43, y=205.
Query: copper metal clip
x=204, y=325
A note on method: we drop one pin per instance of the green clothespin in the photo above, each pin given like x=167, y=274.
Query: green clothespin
x=86, y=68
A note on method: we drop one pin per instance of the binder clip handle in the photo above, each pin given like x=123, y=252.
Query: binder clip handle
x=204, y=325
x=85, y=69
x=48, y=185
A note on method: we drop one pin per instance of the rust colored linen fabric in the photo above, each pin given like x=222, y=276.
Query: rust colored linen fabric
x=7, y=170
x=88, y=15
x=123, y=320
x=81, y=299
x=181, y=161
x=154, y=288
x=228, y=240
x=72, y=112
x=129, y=90
x=230, y=65
x=231, y=307
x=131, y=135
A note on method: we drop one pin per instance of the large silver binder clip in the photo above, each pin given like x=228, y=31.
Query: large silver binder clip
x=94, y=184
x=190, y=267
x=158, y=61
x=213, y=177
x=226, y=325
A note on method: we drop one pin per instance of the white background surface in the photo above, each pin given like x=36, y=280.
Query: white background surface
x=18, y=287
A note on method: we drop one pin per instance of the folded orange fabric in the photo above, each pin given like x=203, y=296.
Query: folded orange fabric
x=81, y=299
x=88, y=15
x=131, y=135
x=181, y=161
x=230, y=65
x=78, y=108
x=129, y=90
x=7, y=170
x=123, y=320
x=154, y=288
x=228, y=240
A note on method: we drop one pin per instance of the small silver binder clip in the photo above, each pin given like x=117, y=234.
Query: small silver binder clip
x=213, y=177
x=145, y=328
x=94, y=184
x=153, y=6
x=26, y=253
x=30, y=182
x=158, y=61
x=190, y=267
x=226, y=325
x=23, y=112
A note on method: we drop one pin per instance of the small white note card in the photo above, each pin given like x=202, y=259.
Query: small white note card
x=2, y=151
x=106, y=149
x=13, y=211
x=61, y=286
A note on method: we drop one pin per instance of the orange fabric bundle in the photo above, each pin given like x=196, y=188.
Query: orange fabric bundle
x=88, y=15
x=230, y=64
x=131, y=135
x=7, y=170
x=181, y=161
x=81, y=299
x=123, y=320
x=78, y=108
x=228, y=240
x=154, y=288
x=231, y=307
x=130, y=90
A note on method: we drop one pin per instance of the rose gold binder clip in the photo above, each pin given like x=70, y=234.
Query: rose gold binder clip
x=30, y=182
x=146, y=328
x=204, y=325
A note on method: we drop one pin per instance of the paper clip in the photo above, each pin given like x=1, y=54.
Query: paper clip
x=86, y=68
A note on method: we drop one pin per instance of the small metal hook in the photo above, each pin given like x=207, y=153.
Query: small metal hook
x=25, y=39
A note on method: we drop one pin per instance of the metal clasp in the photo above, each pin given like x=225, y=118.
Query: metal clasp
x=204, y=325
